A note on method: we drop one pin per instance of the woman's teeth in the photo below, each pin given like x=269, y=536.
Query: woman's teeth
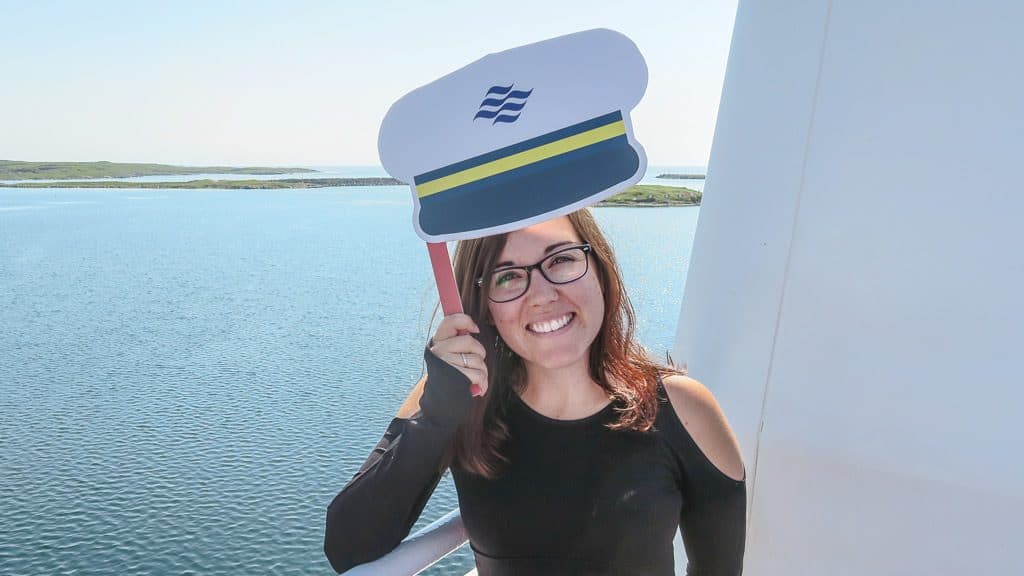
x=550, y=325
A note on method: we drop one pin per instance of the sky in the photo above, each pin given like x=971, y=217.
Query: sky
x=306, y=83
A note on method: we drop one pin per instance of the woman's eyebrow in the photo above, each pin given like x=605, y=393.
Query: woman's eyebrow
x=546, y=251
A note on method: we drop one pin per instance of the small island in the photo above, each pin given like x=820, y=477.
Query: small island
x=650, y=195
x=17, y=170
x=670, y=176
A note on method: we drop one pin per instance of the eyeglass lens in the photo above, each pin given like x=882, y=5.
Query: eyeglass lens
x=558, y=268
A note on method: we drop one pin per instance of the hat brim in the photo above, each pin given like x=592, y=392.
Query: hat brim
x=532, y=189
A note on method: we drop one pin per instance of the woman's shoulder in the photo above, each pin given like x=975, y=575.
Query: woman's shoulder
x=699, y=413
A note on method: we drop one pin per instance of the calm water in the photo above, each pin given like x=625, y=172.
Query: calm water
x=188, y=377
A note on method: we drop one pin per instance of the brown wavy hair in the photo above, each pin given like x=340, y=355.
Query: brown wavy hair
x=618, y=363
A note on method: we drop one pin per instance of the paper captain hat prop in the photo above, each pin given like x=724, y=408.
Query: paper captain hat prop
x=519, y=136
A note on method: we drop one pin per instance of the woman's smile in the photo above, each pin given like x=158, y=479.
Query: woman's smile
x=547, y=327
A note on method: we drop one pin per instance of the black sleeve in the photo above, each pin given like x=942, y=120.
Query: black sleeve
x=713, y=520
x=375, y=511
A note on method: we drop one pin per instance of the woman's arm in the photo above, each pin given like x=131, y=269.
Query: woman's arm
x=378, y=507
x=713, y=516
x=713, y=525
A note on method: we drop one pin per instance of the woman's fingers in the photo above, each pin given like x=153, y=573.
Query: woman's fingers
x=473, y=367
x=466, y=361
x=455, y=344
x=462, y=351
x=464, y=343
x=467, y=356
x=451, y=325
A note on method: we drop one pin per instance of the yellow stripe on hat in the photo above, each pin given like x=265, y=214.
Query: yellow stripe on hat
x=524, y=158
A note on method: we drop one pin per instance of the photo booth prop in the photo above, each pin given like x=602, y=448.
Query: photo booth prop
x=516, y=138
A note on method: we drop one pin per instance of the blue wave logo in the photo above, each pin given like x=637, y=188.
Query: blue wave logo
x=503, y=104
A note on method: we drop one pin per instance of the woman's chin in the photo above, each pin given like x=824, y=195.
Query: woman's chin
x=556, y=359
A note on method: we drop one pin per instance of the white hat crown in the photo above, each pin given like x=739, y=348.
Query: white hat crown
x=515, y=137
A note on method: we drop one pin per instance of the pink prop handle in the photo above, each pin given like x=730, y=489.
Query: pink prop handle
x=445, y=278
x=447, y=290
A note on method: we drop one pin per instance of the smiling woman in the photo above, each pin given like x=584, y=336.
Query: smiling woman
x=550, y=326
x=580, y=455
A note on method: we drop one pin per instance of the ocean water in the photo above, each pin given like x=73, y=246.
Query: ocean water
x=187, y=377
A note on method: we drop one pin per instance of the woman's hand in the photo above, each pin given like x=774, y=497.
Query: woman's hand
x=453, y=343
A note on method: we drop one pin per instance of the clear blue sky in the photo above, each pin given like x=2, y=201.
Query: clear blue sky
x=307, y=82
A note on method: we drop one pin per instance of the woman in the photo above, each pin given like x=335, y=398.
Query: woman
x=572, y=453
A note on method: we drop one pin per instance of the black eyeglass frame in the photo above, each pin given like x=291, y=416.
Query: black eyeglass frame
x=585, y=246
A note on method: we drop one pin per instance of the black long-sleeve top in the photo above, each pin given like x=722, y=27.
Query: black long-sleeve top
x=577, y=498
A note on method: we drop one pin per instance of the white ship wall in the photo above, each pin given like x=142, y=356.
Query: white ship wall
x=855, y=298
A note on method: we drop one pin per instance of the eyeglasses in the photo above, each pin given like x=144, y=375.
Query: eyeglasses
x=562, y=267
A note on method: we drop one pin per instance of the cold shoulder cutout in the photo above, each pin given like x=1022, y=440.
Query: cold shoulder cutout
x=699, y=413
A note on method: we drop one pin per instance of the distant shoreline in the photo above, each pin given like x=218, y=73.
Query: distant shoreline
x=280, y=184
x=18, y=170
x=638, y=196
x=670, y=176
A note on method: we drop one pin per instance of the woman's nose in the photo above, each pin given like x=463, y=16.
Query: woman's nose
x=540, y=291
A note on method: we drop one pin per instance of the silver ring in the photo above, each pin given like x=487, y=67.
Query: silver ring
x=464, y=363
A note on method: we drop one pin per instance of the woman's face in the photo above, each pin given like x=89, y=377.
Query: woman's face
x=525, y=324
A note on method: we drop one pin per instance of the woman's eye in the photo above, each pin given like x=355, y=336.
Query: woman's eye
x=562, y=259
x=503, y=278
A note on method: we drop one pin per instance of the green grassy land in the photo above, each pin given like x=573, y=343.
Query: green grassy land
x=652, y=195
x=16, y=170
x=671, y=176
x=639, y=195
x=220, y=184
